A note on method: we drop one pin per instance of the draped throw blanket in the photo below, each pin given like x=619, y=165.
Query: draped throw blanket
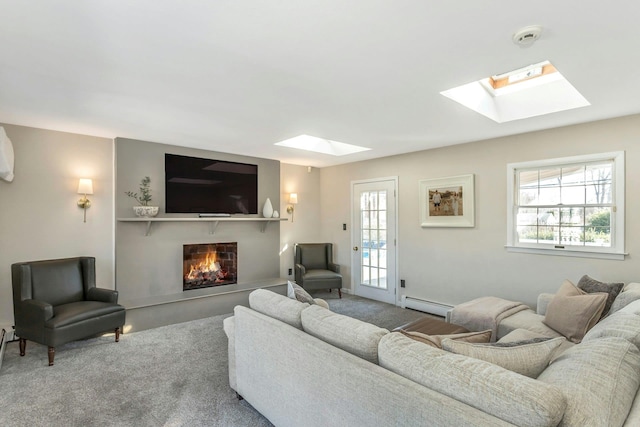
x=485, y=313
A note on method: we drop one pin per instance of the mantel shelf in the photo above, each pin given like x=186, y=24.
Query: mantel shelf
x=213, y=221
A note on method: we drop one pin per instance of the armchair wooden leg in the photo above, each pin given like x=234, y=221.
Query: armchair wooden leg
x=52, y=354
x=23, y=346
x=117, y=334
x=340, y=292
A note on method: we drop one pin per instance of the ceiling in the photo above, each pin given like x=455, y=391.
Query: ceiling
x=238, y=76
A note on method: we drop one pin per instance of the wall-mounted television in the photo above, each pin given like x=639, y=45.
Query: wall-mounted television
x=196, y=185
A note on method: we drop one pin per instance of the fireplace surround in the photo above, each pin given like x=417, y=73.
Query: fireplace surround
x=207, y=265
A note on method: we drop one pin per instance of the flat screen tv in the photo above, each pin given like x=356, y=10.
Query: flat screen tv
x=195, y=185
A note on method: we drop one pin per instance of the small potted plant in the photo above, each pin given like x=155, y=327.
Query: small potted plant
x=144, y=198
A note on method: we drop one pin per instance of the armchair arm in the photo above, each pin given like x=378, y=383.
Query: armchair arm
x=102, y=295
x=300, y=271
x=34, y=312
x=334, y=267
x=543, y=301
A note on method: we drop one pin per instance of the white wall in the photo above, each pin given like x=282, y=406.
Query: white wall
x=452, y=265
x=305, y=227
x=39, y=216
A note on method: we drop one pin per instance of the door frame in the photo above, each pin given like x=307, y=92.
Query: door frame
x=396, y=280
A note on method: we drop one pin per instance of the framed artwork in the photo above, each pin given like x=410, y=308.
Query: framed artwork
x=447, y=202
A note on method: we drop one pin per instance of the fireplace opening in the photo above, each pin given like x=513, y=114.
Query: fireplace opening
x=205, y=265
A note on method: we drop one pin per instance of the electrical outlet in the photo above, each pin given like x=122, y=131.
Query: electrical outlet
x=402, y=283
x=290, y=272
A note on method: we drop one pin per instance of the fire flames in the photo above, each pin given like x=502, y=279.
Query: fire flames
x=206, y=270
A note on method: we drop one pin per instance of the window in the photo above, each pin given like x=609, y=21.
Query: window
x=570, y=206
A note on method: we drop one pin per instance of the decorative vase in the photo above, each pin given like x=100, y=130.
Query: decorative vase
x=276, y=214
x=267, y=209
x=145, y=211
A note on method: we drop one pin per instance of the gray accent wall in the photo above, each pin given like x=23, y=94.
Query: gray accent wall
x=151, y=266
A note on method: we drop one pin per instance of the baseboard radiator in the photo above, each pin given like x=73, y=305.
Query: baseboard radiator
x=431, y=307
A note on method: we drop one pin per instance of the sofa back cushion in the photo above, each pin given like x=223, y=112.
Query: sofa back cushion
x=620, y=324
x=599, y=378
x=631, y=308
x=629, y=294
x=278, y=306
x=352, y=335
x=490, y=388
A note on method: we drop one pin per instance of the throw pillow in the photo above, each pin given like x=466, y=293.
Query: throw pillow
x=436, y=340
x=572, y=312
x=297, y=292
x=526, y=358
x=590, y=286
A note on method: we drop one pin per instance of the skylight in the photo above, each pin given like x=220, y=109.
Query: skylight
x=530, y=91
x=320, y=145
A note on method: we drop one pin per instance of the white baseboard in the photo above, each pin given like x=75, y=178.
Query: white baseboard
x=431, y=307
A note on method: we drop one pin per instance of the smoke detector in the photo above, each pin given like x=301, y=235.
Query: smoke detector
x=526, y=36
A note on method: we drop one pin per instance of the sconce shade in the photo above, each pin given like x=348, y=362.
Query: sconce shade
x=85, y=186
x=293, y=198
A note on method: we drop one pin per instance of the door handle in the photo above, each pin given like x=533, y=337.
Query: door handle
x=355, y=248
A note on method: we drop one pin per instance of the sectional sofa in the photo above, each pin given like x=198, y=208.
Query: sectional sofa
x=302, y=365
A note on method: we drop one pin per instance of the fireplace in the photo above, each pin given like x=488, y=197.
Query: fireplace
x=206, y=265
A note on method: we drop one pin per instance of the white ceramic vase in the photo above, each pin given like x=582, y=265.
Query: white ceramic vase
x=145, y=211
x=276, y=214
x=267, y=209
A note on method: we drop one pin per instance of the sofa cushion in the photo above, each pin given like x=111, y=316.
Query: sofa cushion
x=572, y=312
x=591, y=286
x=297, y=292
x=599, y=378
x=436, y=340
x=352, y=335
x=620, y=324
x=278, y=306
x=490, y=388
x=528, y=359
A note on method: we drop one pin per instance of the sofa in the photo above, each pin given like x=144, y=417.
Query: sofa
x=299, y=364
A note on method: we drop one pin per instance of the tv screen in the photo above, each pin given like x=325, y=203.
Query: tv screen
x=195, y=185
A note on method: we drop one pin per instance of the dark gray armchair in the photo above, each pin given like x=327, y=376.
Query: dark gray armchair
x=56, y=301
x=314, y=267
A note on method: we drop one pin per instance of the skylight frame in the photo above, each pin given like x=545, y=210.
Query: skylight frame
x=541, y=93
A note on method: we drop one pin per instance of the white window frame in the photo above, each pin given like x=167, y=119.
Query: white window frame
x=616, y=251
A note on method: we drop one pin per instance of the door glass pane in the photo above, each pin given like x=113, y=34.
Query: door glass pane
x=374, y=224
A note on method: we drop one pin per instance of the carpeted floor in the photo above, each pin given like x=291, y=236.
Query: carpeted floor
x=170, y=376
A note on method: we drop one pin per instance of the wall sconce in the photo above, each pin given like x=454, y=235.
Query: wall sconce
x=85, y=186
x=293, y=199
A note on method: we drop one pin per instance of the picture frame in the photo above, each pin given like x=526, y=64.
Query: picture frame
x=447, y=202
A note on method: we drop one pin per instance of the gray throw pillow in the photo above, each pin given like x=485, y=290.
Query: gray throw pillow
x=590, y=286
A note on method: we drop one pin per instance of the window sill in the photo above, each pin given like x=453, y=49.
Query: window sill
x=619, y=256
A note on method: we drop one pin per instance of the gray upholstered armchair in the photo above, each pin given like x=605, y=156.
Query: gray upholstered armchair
x=314, y=267
x=56, y=301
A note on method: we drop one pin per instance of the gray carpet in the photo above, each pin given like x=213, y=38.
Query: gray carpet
x=170, y=376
